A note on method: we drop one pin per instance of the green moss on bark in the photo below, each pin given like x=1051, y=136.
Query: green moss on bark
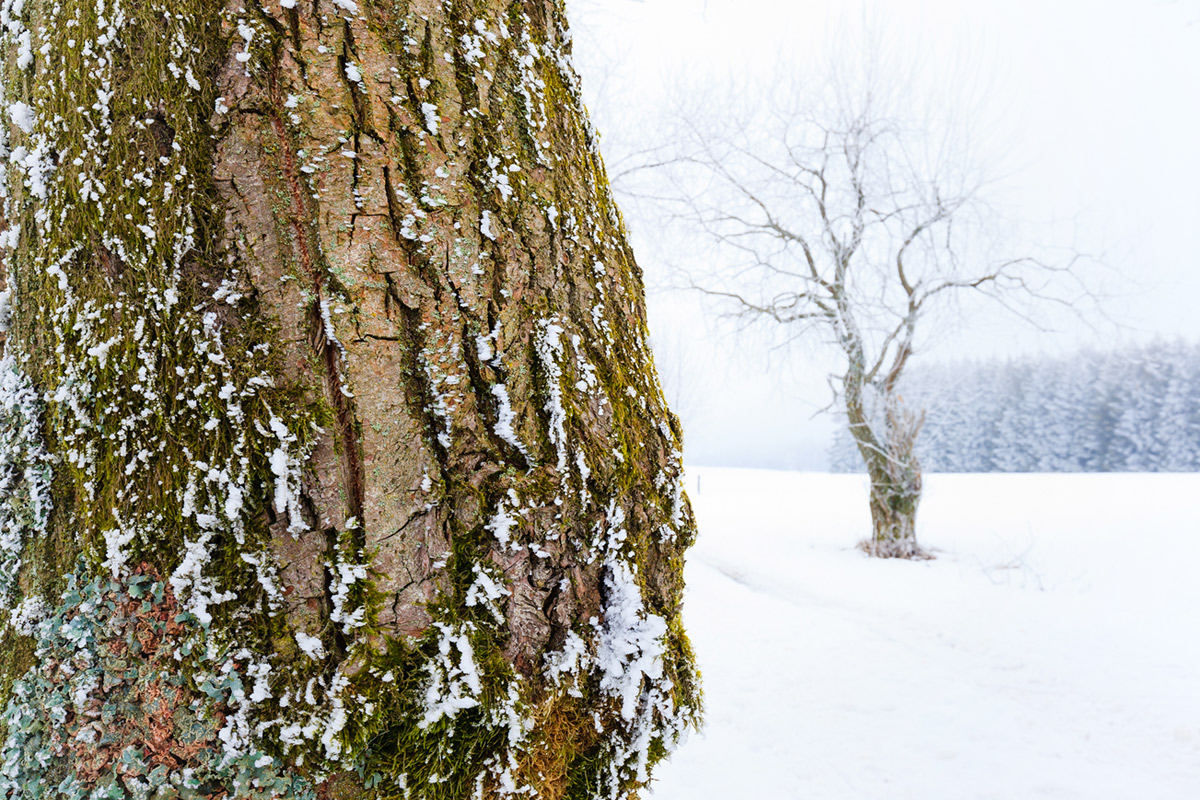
x=233, y=281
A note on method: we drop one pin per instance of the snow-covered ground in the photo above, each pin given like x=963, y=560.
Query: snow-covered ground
x=1052, y=650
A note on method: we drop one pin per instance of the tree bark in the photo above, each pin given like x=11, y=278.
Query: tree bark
x=893, y=516
x=888, y=448
x=333, y=459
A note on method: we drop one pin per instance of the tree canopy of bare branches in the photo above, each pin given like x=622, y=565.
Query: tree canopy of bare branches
x=840, y=214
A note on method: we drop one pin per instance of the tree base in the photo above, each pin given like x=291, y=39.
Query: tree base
x=883, y=548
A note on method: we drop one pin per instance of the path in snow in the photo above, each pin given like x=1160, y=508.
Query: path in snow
x=1051, y=651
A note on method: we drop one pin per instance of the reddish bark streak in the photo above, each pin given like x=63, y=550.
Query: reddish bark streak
x=351, y=458
x=299, y=210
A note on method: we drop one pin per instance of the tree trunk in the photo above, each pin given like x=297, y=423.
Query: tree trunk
x=887, y=448
x=333, y=459
x=893, y=516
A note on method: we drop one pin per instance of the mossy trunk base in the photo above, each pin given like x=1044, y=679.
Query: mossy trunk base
x=894, y=525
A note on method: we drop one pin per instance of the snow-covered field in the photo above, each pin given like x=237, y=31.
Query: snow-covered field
x=1052, y=650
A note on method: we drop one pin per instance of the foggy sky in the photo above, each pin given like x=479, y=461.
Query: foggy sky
x=1088, y=110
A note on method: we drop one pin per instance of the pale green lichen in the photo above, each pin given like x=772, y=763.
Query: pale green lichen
x=132, y=699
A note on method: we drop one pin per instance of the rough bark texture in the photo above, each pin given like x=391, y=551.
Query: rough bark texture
x=332, y=455
x=888, y=447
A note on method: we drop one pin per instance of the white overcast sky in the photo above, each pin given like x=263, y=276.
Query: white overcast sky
x=1090, y=110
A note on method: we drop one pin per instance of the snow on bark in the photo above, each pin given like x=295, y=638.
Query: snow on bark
x=281, y=365
x=25, y=473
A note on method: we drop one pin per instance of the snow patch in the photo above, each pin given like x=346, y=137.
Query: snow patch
x=630, y=647
x=311, y=646
x=453, y=683
x=22, y=116
x=431, y=117
x=549, y=349
x=505, y=419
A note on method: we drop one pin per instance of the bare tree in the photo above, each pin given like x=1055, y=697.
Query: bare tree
x=841, y=213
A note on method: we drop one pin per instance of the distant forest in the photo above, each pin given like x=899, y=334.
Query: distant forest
x=1135, y=409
